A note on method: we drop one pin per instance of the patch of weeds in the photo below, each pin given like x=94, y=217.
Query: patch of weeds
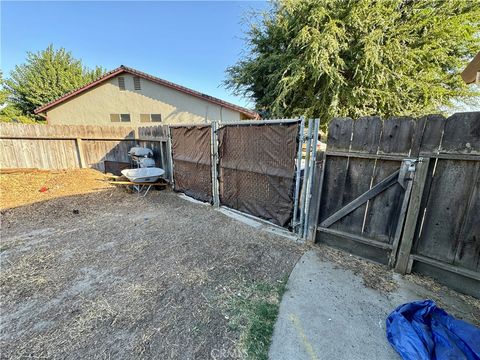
x=252, y=309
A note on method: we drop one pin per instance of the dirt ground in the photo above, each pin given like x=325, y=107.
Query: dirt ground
x=26, y=186
x=110, y=275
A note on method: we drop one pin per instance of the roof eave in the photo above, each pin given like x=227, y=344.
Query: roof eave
x=124, y=69
x=61, y=99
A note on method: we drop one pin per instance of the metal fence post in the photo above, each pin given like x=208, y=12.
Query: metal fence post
x=306, y=175
x=301, y=139
x=311, y=168
x=170, y=156
x=214, y=150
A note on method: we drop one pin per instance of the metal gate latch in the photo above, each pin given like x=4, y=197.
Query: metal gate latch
x=406, y=169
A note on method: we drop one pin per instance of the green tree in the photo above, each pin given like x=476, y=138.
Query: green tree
x=3, y=92
x=326, y=58
x=45, y=76
x=8, y=112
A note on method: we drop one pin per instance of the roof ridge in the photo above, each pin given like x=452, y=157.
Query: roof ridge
x=123, y=68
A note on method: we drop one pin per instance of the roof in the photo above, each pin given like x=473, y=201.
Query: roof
x=124, y=69
x=469, y=75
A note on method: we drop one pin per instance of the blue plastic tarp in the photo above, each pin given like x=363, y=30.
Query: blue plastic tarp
x=420, y=330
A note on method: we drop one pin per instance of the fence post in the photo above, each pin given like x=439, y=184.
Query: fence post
x=81, y=158
x=314, y=212
x=214, y=150
x=309, y=180
x=412, y=216
x=404, y=170
x=306, y=176
x=170, y=156
x=136, y=135
x=301, y=139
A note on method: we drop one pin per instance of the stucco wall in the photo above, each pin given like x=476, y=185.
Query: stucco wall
x=94, y=106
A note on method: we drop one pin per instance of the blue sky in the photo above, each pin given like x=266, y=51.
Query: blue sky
x=189, y=43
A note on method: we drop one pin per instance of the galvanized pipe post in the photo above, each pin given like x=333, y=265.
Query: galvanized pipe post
x=301, y=139
x=308, y=190
x=306, y=175
x=214, y=160
x=170, y=156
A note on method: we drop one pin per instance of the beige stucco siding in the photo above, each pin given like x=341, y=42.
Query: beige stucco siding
x=94, y=106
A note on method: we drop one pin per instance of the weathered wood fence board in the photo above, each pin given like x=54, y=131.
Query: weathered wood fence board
x=43, y=154
x=62, y=146
x=442, y=214
x=450, y=230
x=360, y=155
x=29, y=131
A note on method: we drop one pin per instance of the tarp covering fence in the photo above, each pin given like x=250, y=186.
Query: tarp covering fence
x=192, y=163
x=257, y=169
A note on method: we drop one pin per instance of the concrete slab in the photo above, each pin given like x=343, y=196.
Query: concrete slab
x=191, y=199
x=244, y=219
x=259, y=224
x=328, y=312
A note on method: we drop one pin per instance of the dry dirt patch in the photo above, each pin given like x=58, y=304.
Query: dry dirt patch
x=127, y=277
x=25, y=186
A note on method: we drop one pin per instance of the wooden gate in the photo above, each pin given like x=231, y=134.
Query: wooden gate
x=405, y=193
x=363, y=190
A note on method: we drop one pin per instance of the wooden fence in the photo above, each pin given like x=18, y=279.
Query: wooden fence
x=405, y=192
x=78, y=146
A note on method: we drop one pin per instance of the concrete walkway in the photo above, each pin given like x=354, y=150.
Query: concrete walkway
x=328, y=312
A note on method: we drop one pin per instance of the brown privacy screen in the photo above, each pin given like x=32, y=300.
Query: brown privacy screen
x=192, y=165
x=257, y=169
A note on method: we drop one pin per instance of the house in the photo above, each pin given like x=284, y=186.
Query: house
x=129, y=96
x=471, y=74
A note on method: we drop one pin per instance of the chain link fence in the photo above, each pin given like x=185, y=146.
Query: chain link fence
x=192, y=163
x=257, y=169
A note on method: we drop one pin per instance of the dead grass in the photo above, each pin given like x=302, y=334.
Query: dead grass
x=23, y=186
x=375, y=276
x=379, y=277
x=128, y=277
x=29, y=274
x=436, y=288
x=131, y=304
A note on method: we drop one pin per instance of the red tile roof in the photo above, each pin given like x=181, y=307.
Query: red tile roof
x=124, y=69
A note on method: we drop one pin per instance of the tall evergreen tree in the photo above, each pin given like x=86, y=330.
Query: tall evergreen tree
x=8, y=111
x=326, y=58
x=45, y=76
